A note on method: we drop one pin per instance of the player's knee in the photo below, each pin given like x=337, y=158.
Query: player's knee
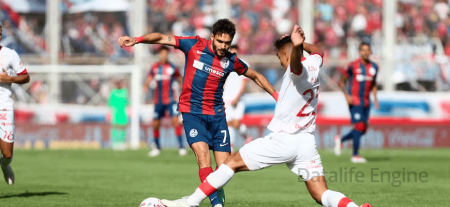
x=7, y=155
x=361, y=126
x=156, y=124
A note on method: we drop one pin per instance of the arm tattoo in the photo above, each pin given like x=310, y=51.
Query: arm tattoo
x=168, y=39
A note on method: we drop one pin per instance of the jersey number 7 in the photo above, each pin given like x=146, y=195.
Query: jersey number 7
x=313, y=95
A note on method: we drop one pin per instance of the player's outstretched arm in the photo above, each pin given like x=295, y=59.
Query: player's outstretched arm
x=262, y=82
x=152, y=38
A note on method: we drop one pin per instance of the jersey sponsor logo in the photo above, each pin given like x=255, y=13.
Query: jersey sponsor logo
x=3, y=116
x=193, y=133
x=207, y=69
x=162, y=77
x=312, y=68
x=361, y=78
x=7, y=124
x=224, y=62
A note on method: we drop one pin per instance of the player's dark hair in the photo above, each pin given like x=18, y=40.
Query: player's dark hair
x=163, y=48
x=224, y=26
x=282, y=41
x=364, y=44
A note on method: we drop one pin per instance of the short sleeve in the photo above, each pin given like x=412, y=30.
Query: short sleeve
x=239, y=66
x=19, y=68
x=347, y=73
x=316, y=57
x=186, y=43
x=151, y=73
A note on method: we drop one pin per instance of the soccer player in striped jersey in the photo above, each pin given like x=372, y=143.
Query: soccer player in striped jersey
x=164, y=73
x=208, y=64
x=357, y=83
x=291, y=140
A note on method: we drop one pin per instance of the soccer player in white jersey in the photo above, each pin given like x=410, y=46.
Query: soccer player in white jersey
x=13, y=71
x=292, y=139
x=234, y=107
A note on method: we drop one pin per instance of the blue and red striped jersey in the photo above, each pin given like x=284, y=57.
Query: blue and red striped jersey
x=361, y=78
x=164, y=74
x=205, y=75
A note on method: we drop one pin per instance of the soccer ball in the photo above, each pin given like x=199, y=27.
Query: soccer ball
x=152, y=202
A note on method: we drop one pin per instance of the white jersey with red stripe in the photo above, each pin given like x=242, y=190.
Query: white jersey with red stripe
x=296, y=107
x=10, y=62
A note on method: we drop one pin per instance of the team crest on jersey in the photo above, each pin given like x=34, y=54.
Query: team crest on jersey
x=224, y=62
x=193, y=133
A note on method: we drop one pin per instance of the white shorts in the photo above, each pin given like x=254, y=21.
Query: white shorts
x=234, y=112
x=298, y=151
x=7, y=126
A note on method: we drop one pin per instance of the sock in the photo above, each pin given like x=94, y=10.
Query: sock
x=213, y=182
x=5, y=162
x=336, y=199
x=178, y=132
x=348, y=136
x=156, y=138
x=203, y=174
x=356, y=141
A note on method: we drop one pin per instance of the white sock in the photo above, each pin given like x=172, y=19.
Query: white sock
x=333, y=199
x=214, y=181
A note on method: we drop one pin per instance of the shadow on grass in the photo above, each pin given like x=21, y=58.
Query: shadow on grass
x=31, y=194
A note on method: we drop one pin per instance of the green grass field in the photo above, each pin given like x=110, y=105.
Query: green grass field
x=108, y=178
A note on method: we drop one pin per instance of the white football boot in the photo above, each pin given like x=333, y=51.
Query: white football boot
x=358, y=159
x=337, y=145
x=182, y=152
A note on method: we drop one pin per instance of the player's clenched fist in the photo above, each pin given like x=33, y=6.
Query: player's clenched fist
x=126, y=41
x=297, y=36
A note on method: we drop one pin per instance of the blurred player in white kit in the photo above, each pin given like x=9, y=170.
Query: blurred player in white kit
x=292, y=140
x=13, y=71
x=234, y=107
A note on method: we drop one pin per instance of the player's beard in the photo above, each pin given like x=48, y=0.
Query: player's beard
x=216, y=51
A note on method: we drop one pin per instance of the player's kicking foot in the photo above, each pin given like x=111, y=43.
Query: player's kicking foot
x=358, y=159
x=366, y=205
x=8, y=174
x=177, y=203
x=154, y=153
x=182, y=152
x=337, y=145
